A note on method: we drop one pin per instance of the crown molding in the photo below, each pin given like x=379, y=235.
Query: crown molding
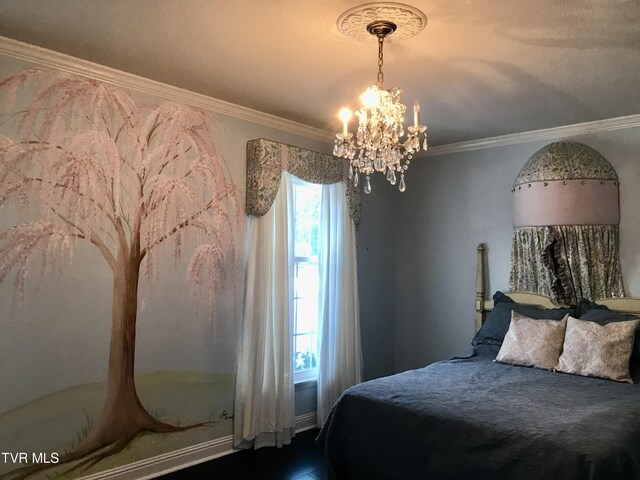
x=61, y=61
x=554, y=133
x=67, y=63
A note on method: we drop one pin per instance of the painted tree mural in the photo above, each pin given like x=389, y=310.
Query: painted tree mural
x=129, y=179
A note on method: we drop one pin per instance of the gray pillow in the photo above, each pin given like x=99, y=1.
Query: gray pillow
x=497, y=323
x=533, y=342
x=595, y=350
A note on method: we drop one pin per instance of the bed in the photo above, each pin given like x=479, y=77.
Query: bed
x=472, y=418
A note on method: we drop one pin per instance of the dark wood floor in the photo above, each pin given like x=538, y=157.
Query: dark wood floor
x=301, y=460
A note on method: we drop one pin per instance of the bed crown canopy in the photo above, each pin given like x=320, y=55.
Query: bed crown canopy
x=566, y=183
x=566, y=214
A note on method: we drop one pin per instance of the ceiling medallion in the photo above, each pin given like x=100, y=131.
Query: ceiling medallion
x=410, y=21
x=379, y=143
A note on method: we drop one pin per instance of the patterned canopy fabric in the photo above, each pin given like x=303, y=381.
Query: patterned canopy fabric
x=565, y=161
x=567, y=263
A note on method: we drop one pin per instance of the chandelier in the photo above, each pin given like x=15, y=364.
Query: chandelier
x=378, y=144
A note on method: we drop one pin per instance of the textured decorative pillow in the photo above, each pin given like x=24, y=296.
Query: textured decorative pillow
x=600, y=314
x=495, y=327
x=596, y=350
x=533, y=342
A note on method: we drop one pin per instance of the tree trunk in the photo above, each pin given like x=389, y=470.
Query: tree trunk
x=122, y=416
x=122, y=413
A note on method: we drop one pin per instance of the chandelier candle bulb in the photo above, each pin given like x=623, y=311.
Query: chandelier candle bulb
x=416, y=114
x=345, y=116
x=370, y=97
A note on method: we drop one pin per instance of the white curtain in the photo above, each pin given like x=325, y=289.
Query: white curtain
x=339, y=341
x=264, y=403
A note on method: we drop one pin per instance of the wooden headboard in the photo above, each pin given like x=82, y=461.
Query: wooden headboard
x=623, y=305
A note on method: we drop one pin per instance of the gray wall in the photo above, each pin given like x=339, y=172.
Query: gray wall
x=376, y=264
x=454, y=202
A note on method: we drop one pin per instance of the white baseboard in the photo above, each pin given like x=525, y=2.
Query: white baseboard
x=305, y=422
x=185, y=457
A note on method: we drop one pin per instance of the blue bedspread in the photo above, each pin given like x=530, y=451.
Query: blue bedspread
x=472, y=418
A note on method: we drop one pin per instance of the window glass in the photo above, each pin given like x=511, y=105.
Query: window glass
x=306, y=279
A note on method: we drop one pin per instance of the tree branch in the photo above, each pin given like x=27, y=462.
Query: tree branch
x=174, y=230
x=60, y=185
x=104, y=250
x=110, y=216
x=93, y=238
x=122, y=235
x=162, y=167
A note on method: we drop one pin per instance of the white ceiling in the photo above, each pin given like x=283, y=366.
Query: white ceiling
x=480, y=68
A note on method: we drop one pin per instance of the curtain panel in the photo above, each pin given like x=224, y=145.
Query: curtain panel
x=567, y=262
x=264, y=412
x=339, y=315
x=267, y=159
x=530, y=270
x=264, y=403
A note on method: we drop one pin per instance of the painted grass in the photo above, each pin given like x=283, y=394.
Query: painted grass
x=62, y=419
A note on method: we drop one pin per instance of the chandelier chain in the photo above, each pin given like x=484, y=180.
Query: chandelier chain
x=380, y=60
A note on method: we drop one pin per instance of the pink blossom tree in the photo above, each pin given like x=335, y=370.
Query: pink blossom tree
x=95, y=166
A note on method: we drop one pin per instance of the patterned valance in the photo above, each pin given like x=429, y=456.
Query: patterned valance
x=265, y=161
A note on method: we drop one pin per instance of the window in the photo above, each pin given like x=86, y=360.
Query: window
x=306, y=279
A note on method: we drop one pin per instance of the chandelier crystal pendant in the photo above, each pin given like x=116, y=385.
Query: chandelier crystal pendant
x=378, y=144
